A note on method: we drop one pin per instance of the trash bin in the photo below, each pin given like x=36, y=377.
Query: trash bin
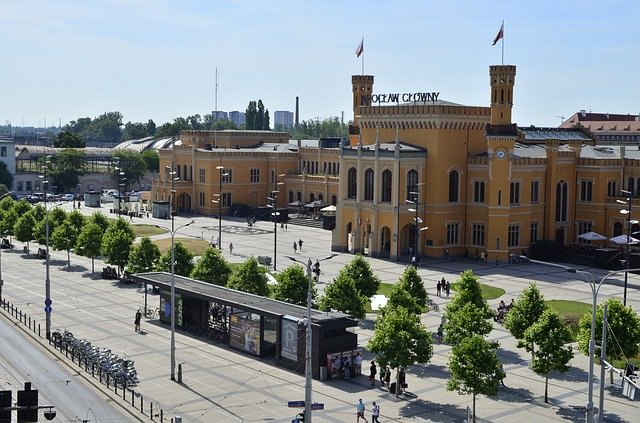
x=25, y=249
x=178, y=419
x=323, y=372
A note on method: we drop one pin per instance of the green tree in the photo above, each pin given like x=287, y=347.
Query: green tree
x=623, y=335
x=134, y=131
x=212, y=268
x=3, y=189
x=21, y=207
x=250, y=278
x=151, y=127
x=293, y=285
x=131, y=164
x=409, y=292
x=77, y=220
x=250, y=115
x=151, y=159
x=400, y=340
x=6, y=178
x=475, y=368
x=64, y=238
x=466, y=321
x=143, y=256
x=9, y=222
x=89, y=242
x=101, y=220
x=550, y=334
x=259, y=119
x=23, y=229
x=359, y=270
x=6, y=203
x=467, y=291
x=68, y=139
x=116, y=243
x=54, y=217
x=67, y=168
x=525, y=312
x=104, y=129
x=343, y=296
x=183, y=264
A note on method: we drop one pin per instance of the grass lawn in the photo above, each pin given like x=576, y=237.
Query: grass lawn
x=385, y=289
x=571, y=313
x=195, y=245
x=147, y=230
x=488, y=292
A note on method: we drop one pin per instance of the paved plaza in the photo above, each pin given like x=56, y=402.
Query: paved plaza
x=222, y=385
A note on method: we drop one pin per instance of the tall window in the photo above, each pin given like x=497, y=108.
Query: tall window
x=299, y=196
x=583, y=228
x=514, y=193
x=201, y=173
x=534, y=232
x=352, y=183
x=631, y=185
x=386, y=186
x=477, y=234
x=561, y=201
x=611, y=189
x=478, y=192
x=201, y=199
x=368, y=185
x=255, y=175
x=412, y=183
x=454, y=180
x=3, y=151
x=334, y=200
x=227, y=176
x=226, y=199
x=291, y=196
x=453, y=231
x=312, y=197
x=535, y=186
x=514, y=236
x=586, y=190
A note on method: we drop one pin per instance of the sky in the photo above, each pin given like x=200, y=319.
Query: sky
x=156, y=59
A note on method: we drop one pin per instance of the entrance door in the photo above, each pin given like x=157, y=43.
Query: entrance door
x=560, y=236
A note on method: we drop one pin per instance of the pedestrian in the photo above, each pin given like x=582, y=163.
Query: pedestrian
x=295, y=247
x=360, y=411
x=230, y=248
x=130, y=216
x=136, y=322
x=375, y=412
x=285, y=227
x=357, y=361
x=476, y=255
x=503, y=374
x=413, y=262
x=446, y=254
x=74, y=204
x=300, y=244
x=447, y=288
x=439, y=332
x=282, y=226
x=402, y=378
x=382, y=374
x=78, y=204
x=438, y=288
x=372, y=373
x=387, y=377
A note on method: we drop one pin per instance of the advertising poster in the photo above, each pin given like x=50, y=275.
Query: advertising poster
x=289, y=339
x=244, y=334
x=333, y=366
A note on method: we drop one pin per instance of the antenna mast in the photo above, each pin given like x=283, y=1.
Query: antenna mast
x=215, y=115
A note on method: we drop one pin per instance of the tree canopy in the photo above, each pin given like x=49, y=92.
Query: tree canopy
x=313, y=129
x=131, y=164
x=68, y=139
x=6, y=178
x=68, y=167
x=212, y=268
x=409, y=292
x=525, y=312
x=366, y=282
x=183, y=264
x=342, y=295
x=64, y=238
x=116, y=243
x=250, y=278
x=256, y=116
x=143, y=256
x=467, y=291
x=293, y=285
x=89, y=242
x=466, y=321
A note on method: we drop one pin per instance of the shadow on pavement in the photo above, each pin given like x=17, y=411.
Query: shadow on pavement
x=573, y=375
x=92, y=276
x=74, y=268
x=430, y=371
x=509, y=357
x=514, y=395
x=431, y=411
x=367, y=324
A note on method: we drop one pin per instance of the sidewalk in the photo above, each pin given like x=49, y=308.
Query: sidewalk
x=222, y=385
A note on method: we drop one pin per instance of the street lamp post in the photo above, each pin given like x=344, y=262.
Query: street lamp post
x=47, y=280
x=273, y=199
x=219, y=202
x=595, y=288
x=173, y=294
x=626, y=253
x=418, y=221
x=308, y=374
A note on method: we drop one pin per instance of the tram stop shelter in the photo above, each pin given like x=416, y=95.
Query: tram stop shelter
x=252, y=324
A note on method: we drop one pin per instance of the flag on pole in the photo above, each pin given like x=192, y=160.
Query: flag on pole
x=499, y=35
x=360, y=48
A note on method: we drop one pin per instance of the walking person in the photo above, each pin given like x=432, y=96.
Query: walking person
x=360, y=411
x=282, y=226
x=447, y=288
x=136, y=321
x=300, y=244
x=372, y=373
x=402, y=378
x=295, y=247
x=230, y=248
x=375, y=413
x=387, y=377
x=438, y=288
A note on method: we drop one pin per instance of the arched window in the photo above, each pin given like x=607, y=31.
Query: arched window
x=412, y=183
x=312, y=197
x=291, y=196
x=185, y=176
x=386, y=186
x=561, y=201
x=478, y=192
x=320, y=197
x=368, y=185
x=352, y=183
x=502, y=95
x=299, y=196
x=334, y=200
x=631, y=185
x=454, y=181
x=514, y=193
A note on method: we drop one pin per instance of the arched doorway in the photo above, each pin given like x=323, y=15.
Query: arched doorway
x=184, y=202
x=407, y=240
x=366, y=239
x=349, y=234
x=385, y=242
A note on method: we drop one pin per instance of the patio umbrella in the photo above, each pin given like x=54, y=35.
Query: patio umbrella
x=622, y=240
x=331, y=208
x=297, y=203
x=592, y=236
x=316, y=204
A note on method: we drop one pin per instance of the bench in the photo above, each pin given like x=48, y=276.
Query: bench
x=264, y=260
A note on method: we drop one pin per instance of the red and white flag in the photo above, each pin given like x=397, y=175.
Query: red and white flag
x=360, y=48
x=499, y=35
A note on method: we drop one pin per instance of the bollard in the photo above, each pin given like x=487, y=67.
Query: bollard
x=178, y=419
x=151, y=413
x=20, y=318
x=124, y=391
x=115, y=386
x=133, y=404
x=29, y=322
x=180, y=372
x=39, y=330
x=142, y=404
x=161, y=415
x=107, y=380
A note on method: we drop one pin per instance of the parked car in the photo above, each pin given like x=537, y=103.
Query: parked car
x=67, y=197
x=107, y=195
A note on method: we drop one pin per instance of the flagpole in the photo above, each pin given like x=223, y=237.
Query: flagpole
x=363, y=56
x=502, y=44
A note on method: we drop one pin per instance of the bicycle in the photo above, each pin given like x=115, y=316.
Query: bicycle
x=433, y=305
x=151, y=313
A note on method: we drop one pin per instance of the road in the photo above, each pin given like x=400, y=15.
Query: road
x=23, y=361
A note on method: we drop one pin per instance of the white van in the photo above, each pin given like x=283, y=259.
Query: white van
x=107, y=195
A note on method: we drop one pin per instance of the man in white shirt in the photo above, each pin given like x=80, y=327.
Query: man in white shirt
x=375, y=412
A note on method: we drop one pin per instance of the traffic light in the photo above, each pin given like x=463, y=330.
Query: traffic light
x=5, y=402
x=28, y=398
